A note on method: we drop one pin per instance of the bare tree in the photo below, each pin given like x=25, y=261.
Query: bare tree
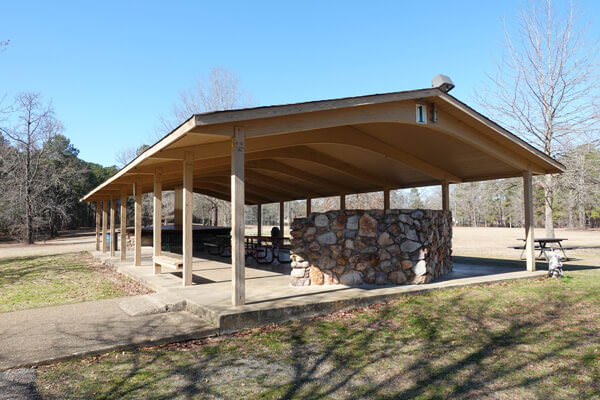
x=546, y=85
x=221, y=91
x=3, y=45
x=31, y=126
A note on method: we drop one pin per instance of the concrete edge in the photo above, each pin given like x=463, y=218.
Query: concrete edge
x=231, y=322
x=201, y=334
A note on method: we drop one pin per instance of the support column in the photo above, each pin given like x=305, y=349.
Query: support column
x=238, y=259
x=123, y=225
x=308, y=207
x=445, y=195
x=188, y=208
x=259, y=219
x=343, y=202
x=156, y=221
x=178, y=208
x=386, y=199
x=98, y=206
x=529, y=222
x=281, y=217
x=113, y=231
x=104, y=225
x=137, y=256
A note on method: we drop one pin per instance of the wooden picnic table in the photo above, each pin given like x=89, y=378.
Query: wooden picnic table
x=259, y=246
x=543, y=246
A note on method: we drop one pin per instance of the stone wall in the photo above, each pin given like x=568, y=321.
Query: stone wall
x=352, y=247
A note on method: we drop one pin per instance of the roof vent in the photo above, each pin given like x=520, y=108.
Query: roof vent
x=442, y=82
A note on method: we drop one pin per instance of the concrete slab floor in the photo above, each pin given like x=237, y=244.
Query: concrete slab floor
x=270, y=298
x=49, y=334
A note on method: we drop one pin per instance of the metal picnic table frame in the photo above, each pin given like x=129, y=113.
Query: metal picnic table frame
x=256, y=244
x=543, y=243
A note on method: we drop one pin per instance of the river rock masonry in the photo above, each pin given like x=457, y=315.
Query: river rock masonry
x=355, y=247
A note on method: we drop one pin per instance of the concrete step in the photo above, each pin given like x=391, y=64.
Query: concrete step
x=152, y=304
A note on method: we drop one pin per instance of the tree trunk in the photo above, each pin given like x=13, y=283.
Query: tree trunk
x=548, y=222
x=28, y=210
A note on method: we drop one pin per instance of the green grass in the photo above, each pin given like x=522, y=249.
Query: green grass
x=523, y=339
x=33, y=282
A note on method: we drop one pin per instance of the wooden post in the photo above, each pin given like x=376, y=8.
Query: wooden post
x=281, y=217
x=137, y=257
x=386, y=199
x=178, y=207
x=529, y=222
x=188, y=208
x=104, y=225
x=113, y=231
x=308, y=207
x=238, y=260
x=157, y=215
x=445, y=195
x=259, y=219
x=123, y=225
x=98, y=216
x=343, y=202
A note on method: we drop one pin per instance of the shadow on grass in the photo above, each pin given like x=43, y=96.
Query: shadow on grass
x=569, y=265
x=453, y=345
x=23, y=268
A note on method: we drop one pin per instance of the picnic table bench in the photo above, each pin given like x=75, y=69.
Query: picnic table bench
x=174, y=262
x=542, y=245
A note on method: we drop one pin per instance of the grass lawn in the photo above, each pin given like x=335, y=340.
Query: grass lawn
x=32, y=282
x=517, y=340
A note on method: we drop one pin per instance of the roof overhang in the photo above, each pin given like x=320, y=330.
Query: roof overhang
x=332, y=147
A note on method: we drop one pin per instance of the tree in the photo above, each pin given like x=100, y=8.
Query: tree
x=3, y=45
x=125, y=156
x=30, y=130
x=546, y=85
x=221, y=91
x=414, y=199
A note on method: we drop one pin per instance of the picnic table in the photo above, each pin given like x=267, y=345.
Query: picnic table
x=542, y=244
x=260, y=247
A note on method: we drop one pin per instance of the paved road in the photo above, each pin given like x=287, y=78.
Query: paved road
x=48, y=334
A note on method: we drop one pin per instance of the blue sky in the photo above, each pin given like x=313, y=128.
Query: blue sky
x=112, y=68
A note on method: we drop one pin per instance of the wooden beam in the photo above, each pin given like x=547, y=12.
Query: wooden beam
x=529, y=220
x=307, y=154
x=254, y=187
x=123, y=225
x=137, y=255
x=238, y=260
x=308, y=206
x=342, y=202
x=386, y=199
x=156, y=220
x=284, y=169
x=178, y=206
x=259, y=219
x=98, y=219
x=346, y=136
x=445, y=195
x=281, y=217
x=265, y=184
x=188, y=209
x=104, y=225
x=225, y=189
x=113, y=231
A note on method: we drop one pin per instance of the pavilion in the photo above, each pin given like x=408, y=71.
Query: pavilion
x=336, y=147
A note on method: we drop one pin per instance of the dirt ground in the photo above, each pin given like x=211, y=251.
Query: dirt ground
x=67, y=242
x=496, y=242
x=488, y=242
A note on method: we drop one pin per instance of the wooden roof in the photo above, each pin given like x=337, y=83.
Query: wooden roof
x=332, y=147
